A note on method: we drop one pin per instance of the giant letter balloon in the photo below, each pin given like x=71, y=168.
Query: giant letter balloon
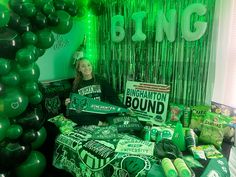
x=117, y=28
x=200, y=27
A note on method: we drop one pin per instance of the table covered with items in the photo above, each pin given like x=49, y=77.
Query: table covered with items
x=125, y=147
x=158, y=139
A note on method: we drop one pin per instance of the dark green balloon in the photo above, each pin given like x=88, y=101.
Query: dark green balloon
x=30, y=88
x=60, y=4
x=11, y=79
x=4, y=125
x=41, y=137
x=12, y=154
x=29, y=38
x=65, y=23
x=53, y=19
x=23, y=8
x=29, y=9
x=36, y=98
x=41, y=52
x=4, y=16
x=48, y=8
x=24, y=25
x=40, y=3
x=28, y=136
x=34, y=165
x=36, y=51
x=5, y=66
x=14, y=20
x=40, y=20
x=14, y=131
x=10, y=42
x=45, y=39
x=30, y=119
x=25, y=57
x=28, y=73
x=14, y=103
x=2, y=90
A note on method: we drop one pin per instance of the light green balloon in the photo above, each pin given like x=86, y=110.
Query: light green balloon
x=4, y=124
x=14, y=131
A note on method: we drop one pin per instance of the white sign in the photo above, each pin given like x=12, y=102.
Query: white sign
x=147, y=100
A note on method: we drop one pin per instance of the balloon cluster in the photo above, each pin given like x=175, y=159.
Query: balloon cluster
x=26, y=31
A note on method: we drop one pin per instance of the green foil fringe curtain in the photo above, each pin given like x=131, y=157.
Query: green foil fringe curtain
x=181, y=64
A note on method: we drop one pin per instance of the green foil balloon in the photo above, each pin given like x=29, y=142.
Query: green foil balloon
x=14, y=131
x=13, y=103
x=11, y=79
x=45, y=39
x=42, y=135
x=5, y=66
x=65, y=23
x=4, y=125
x=33, y=166
x=4, y=16
x=28, y=73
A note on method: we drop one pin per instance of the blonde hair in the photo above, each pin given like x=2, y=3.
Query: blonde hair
x=79, y=76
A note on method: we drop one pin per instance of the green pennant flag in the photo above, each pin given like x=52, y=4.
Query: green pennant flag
x=80, y=104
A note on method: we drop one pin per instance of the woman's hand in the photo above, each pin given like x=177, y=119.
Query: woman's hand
x=67, y=101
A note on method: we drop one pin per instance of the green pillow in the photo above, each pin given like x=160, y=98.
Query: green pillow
x=65, y=125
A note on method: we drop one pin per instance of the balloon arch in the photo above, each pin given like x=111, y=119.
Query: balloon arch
x=26, y=32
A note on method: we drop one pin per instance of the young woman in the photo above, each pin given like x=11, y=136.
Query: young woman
x=88, y=84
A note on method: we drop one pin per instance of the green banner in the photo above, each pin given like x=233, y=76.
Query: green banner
x=84, y=104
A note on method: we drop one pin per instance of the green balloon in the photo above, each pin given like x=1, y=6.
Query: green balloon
x=30, y=88
x=33, y=166
x=48, y=8
x=40, y=3
x=25, y=56
x=29, y=38
x=35, y=51
x=23, y=8
x=5, y=66
x=4, y=124
x=28, y=73
x=11, y=79
x=13, y=103
x=4, y=16
x=42, y=134
x=14, y=131
x=40, y=20
x=36, y=98
x=29, y=9
x=65, y=23
x=45, y=38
